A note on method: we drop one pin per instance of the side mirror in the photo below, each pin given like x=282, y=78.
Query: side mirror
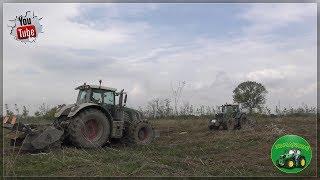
x=125, y=100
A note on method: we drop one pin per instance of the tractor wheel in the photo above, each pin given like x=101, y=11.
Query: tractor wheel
x=237, y=124
x=212, y=127
x=89, y=129
x=280, y=163
x=231, y=123
x=224, y=126
x=290, y=163
x=140, y=133
x=302, y=162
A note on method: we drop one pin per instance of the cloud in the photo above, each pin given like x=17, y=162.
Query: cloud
x=265, y=17
x=279, y=73
x=140, y=58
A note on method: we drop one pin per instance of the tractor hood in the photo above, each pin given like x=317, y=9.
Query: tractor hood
x=64, y=110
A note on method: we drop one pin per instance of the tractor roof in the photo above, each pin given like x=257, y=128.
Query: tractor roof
x=230, y=105
x=96, y=87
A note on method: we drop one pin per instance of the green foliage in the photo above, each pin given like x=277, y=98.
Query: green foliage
x=250, y=94
x=8, y=111
x=25, y=112
x=45, y=112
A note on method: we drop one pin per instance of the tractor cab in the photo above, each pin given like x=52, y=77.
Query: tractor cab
x=229, y=109
x=228, y=116
x=100, y=95
x=104, y=97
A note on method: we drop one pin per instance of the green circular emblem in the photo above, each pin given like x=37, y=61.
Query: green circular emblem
x=291, y=154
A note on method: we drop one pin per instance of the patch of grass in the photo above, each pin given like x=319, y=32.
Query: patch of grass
x=184, y=148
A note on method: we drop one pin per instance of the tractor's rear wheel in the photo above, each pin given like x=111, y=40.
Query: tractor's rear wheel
x=89, y=129
x=140, y=133
x=231, y=123
x=302, y=162
x=224, y=125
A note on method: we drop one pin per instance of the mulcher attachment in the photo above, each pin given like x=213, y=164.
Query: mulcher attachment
x=31, y=137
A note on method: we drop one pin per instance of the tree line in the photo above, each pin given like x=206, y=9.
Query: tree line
x=251, y=95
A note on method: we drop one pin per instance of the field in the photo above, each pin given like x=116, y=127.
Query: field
x=184, y=148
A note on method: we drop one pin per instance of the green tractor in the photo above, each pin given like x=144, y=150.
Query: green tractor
x=229, y=116
x=292, y=158
x=92, y=121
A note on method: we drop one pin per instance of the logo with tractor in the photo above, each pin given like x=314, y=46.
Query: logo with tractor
x=291, y=154
x=291, y=159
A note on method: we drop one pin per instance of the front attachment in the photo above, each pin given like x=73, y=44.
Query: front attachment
x=31, y=137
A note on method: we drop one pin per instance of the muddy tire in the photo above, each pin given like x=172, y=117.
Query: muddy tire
x=89, y=129
x=224, y=125
x=231, y=123
x=212, y=127
x=140, y=133
x=238, y=123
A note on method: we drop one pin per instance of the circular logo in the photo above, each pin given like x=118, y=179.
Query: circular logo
x=291, y=154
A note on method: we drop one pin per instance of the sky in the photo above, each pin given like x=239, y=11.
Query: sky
x=147, y=49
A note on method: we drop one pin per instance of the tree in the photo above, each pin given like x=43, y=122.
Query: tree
x=250, y=94
x=176, y=93
x=8, y=111
x=25, y=112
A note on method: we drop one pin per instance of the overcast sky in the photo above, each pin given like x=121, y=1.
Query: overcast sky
x=144, y=48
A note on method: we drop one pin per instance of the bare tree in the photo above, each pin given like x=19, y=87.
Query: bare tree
x=152, y=108
x=25, y=112
x=168, y=108
x=8, y=111
x=184, y=109
x=176, y=93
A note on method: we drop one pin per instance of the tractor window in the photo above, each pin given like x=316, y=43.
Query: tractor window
x=96, y=97
x=108, y=97
x=82, y=96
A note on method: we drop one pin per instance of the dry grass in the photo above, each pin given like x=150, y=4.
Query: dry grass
x=184, y=148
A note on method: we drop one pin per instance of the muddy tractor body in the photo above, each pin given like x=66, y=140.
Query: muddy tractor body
x=292, y=159
x=91, y=122
x=229, y=116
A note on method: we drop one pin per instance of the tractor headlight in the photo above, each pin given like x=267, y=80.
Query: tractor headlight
x=213, y=121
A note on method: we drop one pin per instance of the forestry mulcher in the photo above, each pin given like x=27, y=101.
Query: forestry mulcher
x=91, y=122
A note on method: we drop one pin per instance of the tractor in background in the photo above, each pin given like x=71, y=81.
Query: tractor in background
x=229, y=116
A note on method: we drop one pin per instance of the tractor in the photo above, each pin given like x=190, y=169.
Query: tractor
x=291, y=158
x=92, y=121
x=229, y=116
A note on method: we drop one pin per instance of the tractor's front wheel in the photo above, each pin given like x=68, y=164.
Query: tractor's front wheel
x=290, y=163
x=89, y=129
x=213, y=127
x=141, y=133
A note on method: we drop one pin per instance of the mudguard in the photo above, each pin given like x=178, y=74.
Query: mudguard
x=74, y=110
x=64, y=110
